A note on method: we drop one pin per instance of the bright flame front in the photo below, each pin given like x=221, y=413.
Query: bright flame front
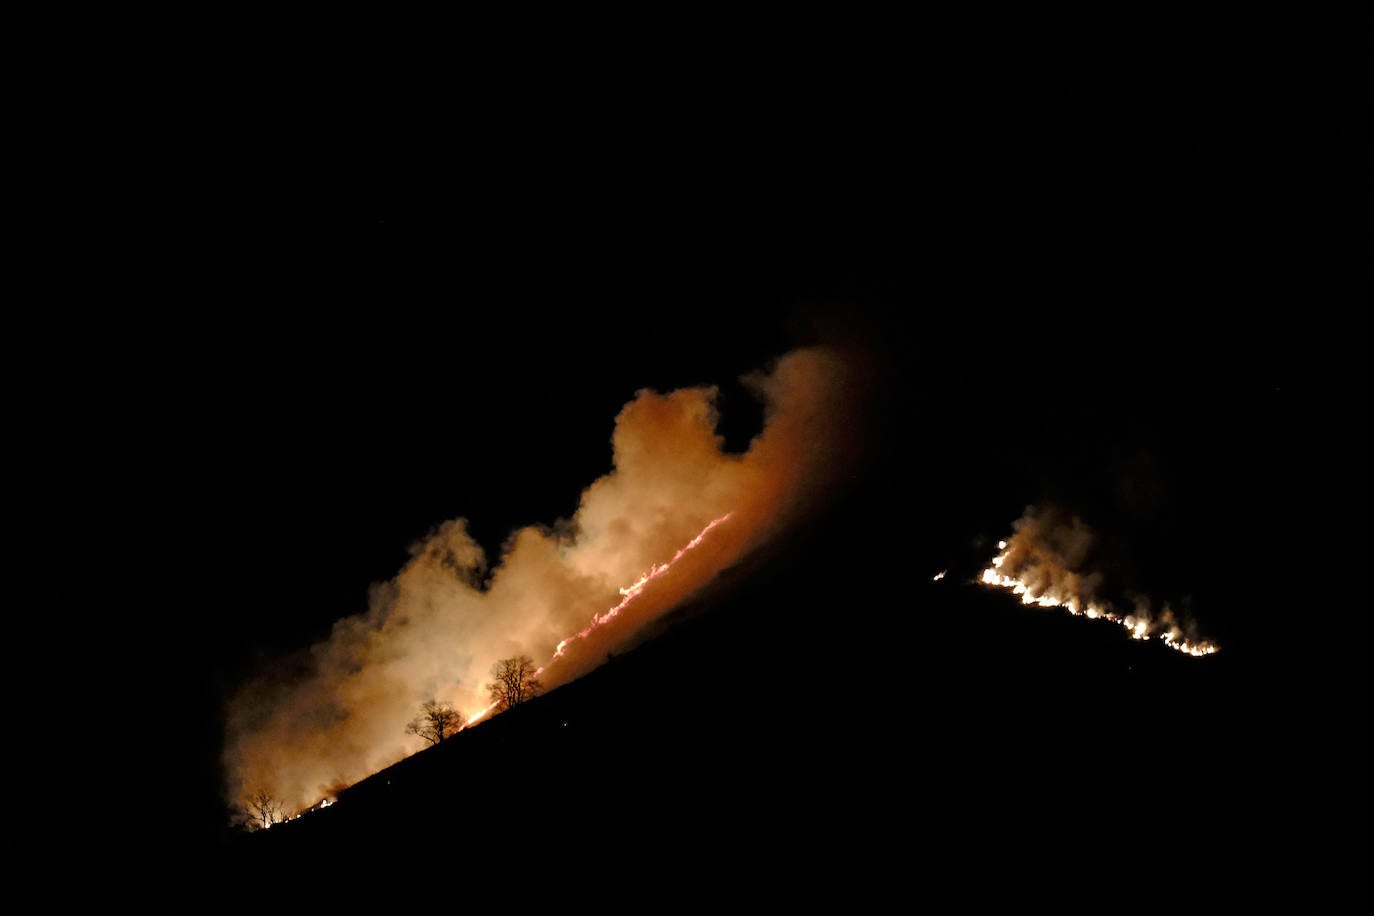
x=627, y=594
x=631, y=592
x=1138, y=625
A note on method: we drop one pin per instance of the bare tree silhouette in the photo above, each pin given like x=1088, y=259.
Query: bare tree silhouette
x=514, y=682
x=262, y=810
x=436, y=722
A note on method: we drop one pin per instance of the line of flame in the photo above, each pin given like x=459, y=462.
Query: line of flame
x=631, y=592
x=479, y=716
x=627, y=594
x=1137, y=626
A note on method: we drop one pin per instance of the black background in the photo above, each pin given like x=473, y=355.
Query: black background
x=301, y=287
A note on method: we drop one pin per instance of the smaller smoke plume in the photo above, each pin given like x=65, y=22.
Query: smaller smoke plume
x=1045, y=562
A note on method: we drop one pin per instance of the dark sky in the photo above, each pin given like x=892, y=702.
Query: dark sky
x=309, y=288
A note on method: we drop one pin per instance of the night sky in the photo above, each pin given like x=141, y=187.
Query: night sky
x=311, y=288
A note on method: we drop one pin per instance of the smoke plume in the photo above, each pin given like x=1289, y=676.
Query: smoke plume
x=1045, y=562
x=435, y=630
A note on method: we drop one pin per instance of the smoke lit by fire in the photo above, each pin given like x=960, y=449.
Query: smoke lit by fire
x=1041, y=564
x=628, y=593
x=633, y=591
x=674, y=512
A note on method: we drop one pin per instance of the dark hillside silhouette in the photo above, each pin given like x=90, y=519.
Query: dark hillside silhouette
x=773, y=716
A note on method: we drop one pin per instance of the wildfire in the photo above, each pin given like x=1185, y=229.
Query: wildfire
x=453, y=610
x=627, y=594
x=939, y=575
x=318, y=806
x=1139, y=625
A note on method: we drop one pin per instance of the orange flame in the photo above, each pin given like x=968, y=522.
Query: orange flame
x=481, y=715
x=630, y=593
x=627, y=594
x=449, y=614
x=1138, y=625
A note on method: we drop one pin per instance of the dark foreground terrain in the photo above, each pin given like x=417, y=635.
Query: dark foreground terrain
x=308, y=292
x=835, y=721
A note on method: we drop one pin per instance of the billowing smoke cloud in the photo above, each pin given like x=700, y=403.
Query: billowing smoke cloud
x=435, y=630
x=1047, y=553
x=1045, y=562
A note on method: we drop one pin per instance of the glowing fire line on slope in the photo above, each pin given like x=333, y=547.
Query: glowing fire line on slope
x=1137, y=625
x=627, y=594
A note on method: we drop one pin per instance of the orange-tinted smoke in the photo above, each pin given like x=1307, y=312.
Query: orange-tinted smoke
x=1043, y=563
x=435, y=630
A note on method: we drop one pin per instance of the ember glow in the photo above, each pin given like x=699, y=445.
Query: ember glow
x=1041, y=563
x=674, y=512
x=630, y=593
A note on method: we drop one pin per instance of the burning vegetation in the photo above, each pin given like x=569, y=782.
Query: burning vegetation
x=1043, y=564
x=449, y=630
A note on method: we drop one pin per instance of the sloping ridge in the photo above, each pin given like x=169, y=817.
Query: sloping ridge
x=697, y=732
x=797, y=714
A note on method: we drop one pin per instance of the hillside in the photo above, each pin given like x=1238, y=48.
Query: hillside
x=310, y=288
x=822, y=713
